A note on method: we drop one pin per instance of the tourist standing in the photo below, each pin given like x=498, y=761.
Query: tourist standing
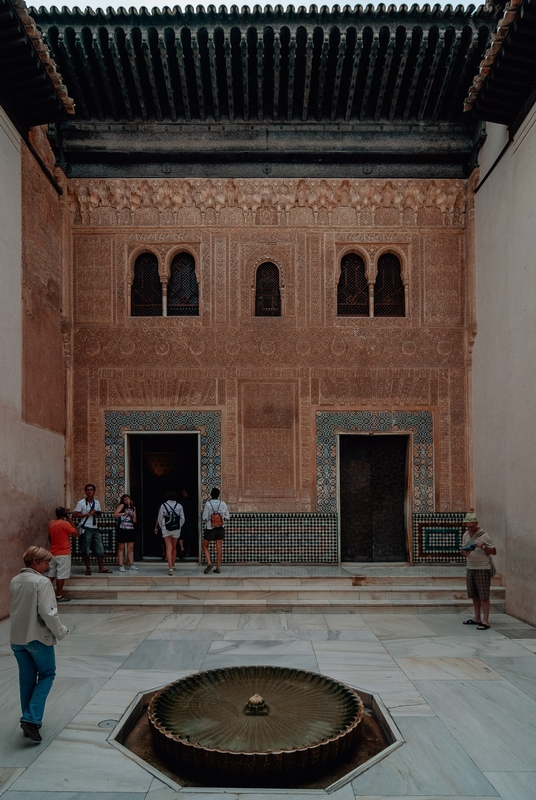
x=477, y=546
x=35, y=629
x=60, y=532
x=215, y=515
x=170, y=519
x=125, y=518
x=88, y=510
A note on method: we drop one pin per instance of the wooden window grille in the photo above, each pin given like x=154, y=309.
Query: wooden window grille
x=183, y=289
x=146, y=295
x=267, y=292
x=389, y=300
x=352, y=291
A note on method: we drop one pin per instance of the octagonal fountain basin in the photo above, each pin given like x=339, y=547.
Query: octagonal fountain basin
x=249, y=723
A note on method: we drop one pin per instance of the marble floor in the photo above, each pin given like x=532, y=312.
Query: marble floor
x=464, y=700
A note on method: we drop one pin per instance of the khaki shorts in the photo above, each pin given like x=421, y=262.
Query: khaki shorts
x=60, y=567
x=478, y=583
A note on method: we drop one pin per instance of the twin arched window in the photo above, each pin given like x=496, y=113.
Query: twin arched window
x=387, y=298
x=182, y=288
x=267, y=291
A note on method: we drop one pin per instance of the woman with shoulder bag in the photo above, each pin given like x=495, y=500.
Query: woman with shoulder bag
x=125, y=518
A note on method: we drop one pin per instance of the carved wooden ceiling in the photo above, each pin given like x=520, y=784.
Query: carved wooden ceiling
x=381, y=88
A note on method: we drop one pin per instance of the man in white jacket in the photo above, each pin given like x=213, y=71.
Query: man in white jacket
x=35, y=629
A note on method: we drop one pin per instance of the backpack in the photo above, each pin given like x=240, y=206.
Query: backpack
x=216, y=519
x=172, y=519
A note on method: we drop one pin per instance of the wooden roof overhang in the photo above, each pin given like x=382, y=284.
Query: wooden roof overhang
x=508, y=89
x=375, y=91
x=30, y=87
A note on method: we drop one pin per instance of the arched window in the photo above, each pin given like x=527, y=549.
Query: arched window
x=352, y=291
x=267, y=293
x=388, y=288
x=183, y=290
x=146, y=296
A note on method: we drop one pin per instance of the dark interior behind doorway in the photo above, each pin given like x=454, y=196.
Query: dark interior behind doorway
x=161, y=463
x=373, y=484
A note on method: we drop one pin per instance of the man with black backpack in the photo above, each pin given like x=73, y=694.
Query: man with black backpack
x=215, y=515
x=170, y=520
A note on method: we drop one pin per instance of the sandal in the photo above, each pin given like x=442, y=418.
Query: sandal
x=102, y=571
x=471, y=622
x=482, y=627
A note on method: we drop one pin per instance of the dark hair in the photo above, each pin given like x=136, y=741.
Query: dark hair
x=122, y=500
x=214, y=493
x=60, y=512
x=170, y=496
x=90, y=486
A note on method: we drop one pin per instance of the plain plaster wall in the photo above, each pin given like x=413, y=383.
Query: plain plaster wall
x=31, y=458
x=504, y=375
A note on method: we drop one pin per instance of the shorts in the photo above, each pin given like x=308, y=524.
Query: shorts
x=60, y=568
x=124, y=535
x=213, y=534
x=90, y=539
x=478, y=583
x=174, y=534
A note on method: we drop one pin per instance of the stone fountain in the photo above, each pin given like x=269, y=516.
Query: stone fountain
x=247, y=723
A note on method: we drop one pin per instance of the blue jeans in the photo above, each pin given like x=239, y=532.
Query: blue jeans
x=37, y=670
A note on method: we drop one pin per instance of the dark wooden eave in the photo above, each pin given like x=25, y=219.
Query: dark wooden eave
x=27, y=91
x=306, y=92
x=509, y=90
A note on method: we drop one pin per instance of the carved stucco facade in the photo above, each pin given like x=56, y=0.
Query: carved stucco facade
x=269, y=376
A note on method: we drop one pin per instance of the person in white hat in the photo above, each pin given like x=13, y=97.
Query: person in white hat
x=477, y=546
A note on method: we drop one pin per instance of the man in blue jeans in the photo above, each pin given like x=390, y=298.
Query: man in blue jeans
x=35, y=629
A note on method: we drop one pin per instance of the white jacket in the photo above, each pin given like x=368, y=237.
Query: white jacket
x=34, y=613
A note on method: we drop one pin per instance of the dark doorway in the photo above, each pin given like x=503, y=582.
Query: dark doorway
x=160, y=463
x=373, y=480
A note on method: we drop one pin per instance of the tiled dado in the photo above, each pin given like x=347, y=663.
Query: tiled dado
x=420, y=424
x=438, y=538
x=118, y=423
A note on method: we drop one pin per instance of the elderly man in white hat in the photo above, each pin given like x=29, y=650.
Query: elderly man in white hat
x=477, y=546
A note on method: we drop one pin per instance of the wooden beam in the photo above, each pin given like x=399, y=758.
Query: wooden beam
x=431, y=75
x=470, y=53
x=167, y=78
x=260, y=62
x=370, y=75
x=399, y=77
x=198, y=76
x=277, y=74
x=245, y=80
x=146, y=50
x=353, y=79
x=291, y=70
x=416, y=73
x=182, y=75
x=213, y=75
x=82, y=52
x=322, y=76
x=135, y=76
x=72, y=76
x=338, y=76
x=229, y=71
x=104, y=74
x=385, y=76
x=114, y=50
x=308, y=71
x=448, y=74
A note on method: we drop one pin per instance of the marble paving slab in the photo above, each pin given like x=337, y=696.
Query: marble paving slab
x=4, y=631
x=519, y=671
x=67, y=697
x=482, y=643
x=388, y=626
x=39, y=795
x=447, y=669
x=266, y=647
x=93, y=766
x=349, y=655
x=396, y=691
x=298, y=661
x=219, y=622
x=179, y=622
x=188, y=634
x=87, y=666
x=121, y=644
x=343, y=621
x=307, y=634
x=7, y=776
x=514, y=785
x=168, y=654
x=424, y=765
x=528, y=644
x=8, y=667
x=126, y=622
x=493, y=721
x=81, y=624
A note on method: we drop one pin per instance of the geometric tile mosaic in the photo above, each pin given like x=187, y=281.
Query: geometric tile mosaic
x=279, y=538
x=438, y=537
x=117, y=423
x=420, y=426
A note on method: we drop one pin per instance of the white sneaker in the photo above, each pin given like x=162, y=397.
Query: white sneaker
x=122, y=569
x=170, y=572
x=134, y=567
